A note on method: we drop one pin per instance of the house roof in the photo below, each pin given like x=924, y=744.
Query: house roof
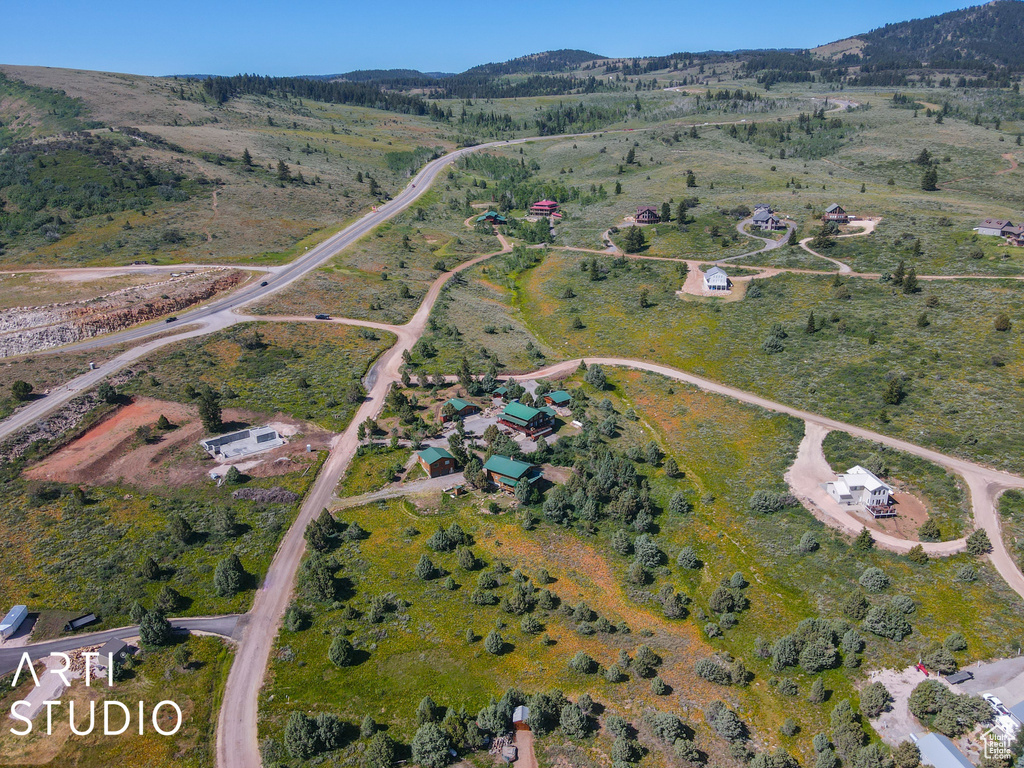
x=115, y=647
x=517, y=412
x=996, y=223
x=644, y=208
x=715, y=272
x=507, y=467
x=500, y=391
x=1015, y=231
x=559, y=396
x=432, y=455
x=759, y=206
x=520, y=714
x=866, y=478
x=939, y=752
x=491, y=215
x=459, y=404
x=763, y=214
x=834, y=208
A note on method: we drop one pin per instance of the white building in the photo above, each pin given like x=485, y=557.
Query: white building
x=242, y=443
x=860, y=486
x=14, y=618
x=715, y=279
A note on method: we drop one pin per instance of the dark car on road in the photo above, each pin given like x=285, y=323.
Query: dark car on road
x=170, y=319
x=322, y=316
x=263, y=284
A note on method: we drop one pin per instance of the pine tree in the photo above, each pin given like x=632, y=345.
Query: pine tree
x=811, y=327
x=930, y=180
x=246, y=158
x=283, y=174
x=910, y=281
x=899, y=273
x=864, y=540
x=209, y=410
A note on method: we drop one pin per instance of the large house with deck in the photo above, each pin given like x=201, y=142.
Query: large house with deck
x=861, y=487
x=766, y=220
x=544, y=208
x=647, y=214
x=715, y=279
x=507, y=473
x=532, y=422
x=836, y=213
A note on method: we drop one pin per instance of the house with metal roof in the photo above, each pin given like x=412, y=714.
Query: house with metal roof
x=500, y=392
x=533, y=422
x=436, y=462
x=506, y=472
x=544, y=208
x=939, y=752
x=492, y=217
x=116, y=650
x=860, y=486
x=463, y=408
x=519, y=717
x=559, y=398
x=12, y=620
x=836, y=213
x=715, y=279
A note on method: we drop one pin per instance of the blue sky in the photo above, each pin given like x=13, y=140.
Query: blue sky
x=304, y=37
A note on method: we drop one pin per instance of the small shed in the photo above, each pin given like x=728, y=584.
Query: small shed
x=14, y=618
x=115, y=649
x=959, y=677
x=81, y=621
x=519, y=718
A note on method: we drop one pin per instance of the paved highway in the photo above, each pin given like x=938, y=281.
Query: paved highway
x=10, y=657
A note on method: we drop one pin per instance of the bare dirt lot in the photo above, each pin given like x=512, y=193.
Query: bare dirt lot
x=112, y=452
x=910, y=514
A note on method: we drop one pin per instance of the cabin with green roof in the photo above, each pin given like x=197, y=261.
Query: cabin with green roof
x=532, y=422
x=460, y=409
x=507, y=473
x=492, y=217
x=436, y=462
x=559, y=398
x=500, y=392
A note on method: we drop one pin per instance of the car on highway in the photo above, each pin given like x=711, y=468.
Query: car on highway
x=263, y=284
x=322, y=316
x=170, y=319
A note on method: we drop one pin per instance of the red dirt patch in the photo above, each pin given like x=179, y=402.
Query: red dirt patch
x=911, y=513
x=111, y=452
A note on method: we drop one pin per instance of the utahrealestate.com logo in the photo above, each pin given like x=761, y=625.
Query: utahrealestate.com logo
x=996, y=745
x=116, y=717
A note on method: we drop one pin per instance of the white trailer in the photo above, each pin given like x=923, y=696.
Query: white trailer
x=10, y=623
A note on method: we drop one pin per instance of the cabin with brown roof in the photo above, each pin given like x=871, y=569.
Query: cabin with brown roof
x=647, y=214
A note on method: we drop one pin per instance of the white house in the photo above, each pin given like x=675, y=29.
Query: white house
x=993, y=227
x=938, y=751
x=715, y=279
x=860, y=486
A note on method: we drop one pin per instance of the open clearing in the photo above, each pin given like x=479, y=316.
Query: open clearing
x=112, y=453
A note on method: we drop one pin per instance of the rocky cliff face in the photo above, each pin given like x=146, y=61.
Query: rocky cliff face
x=29, y=329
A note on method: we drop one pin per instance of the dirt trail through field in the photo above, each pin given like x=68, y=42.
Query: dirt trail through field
x=1013, y=164
x=867, y=227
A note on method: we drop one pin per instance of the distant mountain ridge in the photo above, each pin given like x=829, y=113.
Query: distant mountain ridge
x=547, y=61
x=971, y=38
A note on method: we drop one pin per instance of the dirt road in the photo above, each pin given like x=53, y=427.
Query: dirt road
x=867, y=225
x=237, y=729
